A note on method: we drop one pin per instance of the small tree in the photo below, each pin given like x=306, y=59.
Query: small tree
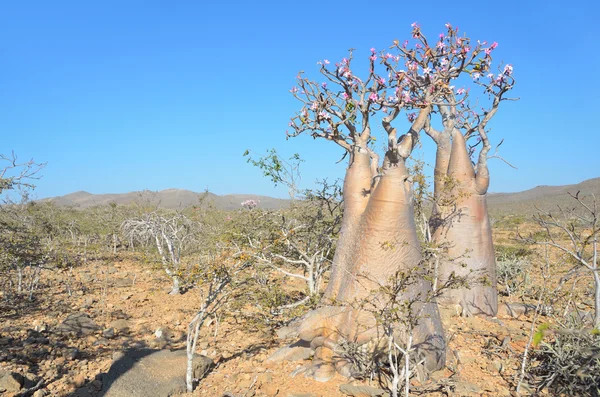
x=218, y=277
x=303, y=237
x=573, y=231
x=171, y=234
x=280, y=171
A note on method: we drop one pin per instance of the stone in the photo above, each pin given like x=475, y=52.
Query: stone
x=87, y=303
x=72, y=354
x=123, y=282
x=10, y=382
x=269, y=389
x=121, y=326
x=294, y=352
x=97, y=384
x=101, y=342
x=301, y=395
x=362, y=391
x=79, y=380
x=79, y=324
x=466, y=388
x=148, y=373
x=108, y=333
x=39, y=393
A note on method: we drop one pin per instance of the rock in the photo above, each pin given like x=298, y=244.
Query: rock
x=148, y=373
x=97, y=384
x=108, y=333
x=72, y=354
x=301, y=395
x=362, y=391
x=78, y=323
x=294, y=352
x=10, y=382
x=79, y=380
x=466, y=388
x=123, y=282
x=39, y=326
x=87, y=303
x=121, y=326
x=101, y=342
x=39, y=393
x=163, y=333
x=5, y=341
x=269, y=389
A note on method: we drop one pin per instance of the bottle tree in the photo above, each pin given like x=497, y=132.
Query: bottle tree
x=416, y=81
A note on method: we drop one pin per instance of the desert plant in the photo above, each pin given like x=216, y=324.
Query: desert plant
x=573, y=232
x=513, y=273
x=171, y=234
x=568, y=363
x=218, y=278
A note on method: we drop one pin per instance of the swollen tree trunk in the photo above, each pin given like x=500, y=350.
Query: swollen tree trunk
x=463, y=225
x=385, y=243
x=389, y=244
x=357, y=185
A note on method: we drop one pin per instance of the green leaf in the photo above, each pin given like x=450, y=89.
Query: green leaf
x=539, y=335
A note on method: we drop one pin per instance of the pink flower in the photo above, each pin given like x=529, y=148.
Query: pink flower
x=373, y=97
x=345, y=96
x=314, y=106
x=344, y=61
x=440, y=44
x=325, y=115
x=460, y=91
x=494, y=45
x=441, y=36
x=476, y=76
x=508, y=69
x=326, y=62
x=405, y=44
x=324, y=85
x=414, y=25
x=373, y=57
x=373, y=50
x=411, y=117
x=388, y=56
x=250, y=204
x=294, y=90
x=426, y=71
x=381, y=81
x=448, y=26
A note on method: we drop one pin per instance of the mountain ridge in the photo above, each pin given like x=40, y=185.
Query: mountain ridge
x=542, y=196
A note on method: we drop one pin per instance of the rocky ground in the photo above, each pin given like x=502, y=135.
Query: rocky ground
x=97, y=331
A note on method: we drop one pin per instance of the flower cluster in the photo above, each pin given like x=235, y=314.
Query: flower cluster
x=250, y=204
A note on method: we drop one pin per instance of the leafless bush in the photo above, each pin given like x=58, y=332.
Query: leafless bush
x=568, y=364
x=513, y=274
x=171, y=234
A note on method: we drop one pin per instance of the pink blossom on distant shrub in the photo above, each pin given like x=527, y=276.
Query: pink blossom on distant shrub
x=250, y=204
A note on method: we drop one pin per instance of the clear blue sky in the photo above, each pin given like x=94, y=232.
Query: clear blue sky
x=130, y=95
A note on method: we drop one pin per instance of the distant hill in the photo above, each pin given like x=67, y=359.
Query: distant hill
x=544, y=197
x=170, y=198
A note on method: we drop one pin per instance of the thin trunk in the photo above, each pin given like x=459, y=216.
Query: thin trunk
x=596, y=299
